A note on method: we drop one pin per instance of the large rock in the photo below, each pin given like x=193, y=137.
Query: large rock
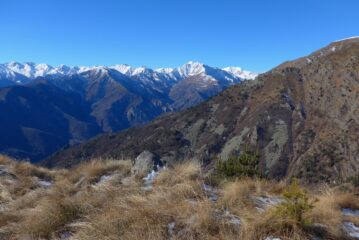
x=145, y=163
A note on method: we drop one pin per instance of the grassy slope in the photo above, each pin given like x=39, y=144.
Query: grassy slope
x=81, y=204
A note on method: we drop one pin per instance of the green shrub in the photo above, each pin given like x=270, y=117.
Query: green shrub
x=296, y=204
x=355, y=180
x=245, y=165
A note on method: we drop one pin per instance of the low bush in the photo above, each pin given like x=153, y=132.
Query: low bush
x=243, y=166
x=296, y=204
x=355, y=180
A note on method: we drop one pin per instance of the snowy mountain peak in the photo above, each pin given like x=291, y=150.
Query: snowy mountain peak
x=164, y=70
x=97, y=69
x=27, y=71
x=191, y=68
x=233, y=69
x=141, y=70
x=239, y=73
x=122, y=68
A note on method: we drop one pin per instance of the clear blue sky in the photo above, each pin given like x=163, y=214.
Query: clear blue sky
x=256, y=35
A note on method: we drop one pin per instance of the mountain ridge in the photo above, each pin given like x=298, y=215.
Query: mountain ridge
x=113, y=98
x=32, y=70
x=301, y=116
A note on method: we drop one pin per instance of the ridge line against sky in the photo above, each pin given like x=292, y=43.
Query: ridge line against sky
x=254, y=35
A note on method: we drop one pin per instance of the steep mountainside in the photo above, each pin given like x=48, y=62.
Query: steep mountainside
x=47, y=108
x=38, y=119
x=302, y=117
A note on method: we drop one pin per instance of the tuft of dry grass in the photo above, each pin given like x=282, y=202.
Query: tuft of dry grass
x=328, y=207
x=96, y=168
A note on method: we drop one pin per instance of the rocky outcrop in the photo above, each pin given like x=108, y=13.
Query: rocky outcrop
x=145, y=163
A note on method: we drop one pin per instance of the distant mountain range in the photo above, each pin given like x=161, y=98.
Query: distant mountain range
x=302, y=118
x=46, y=108
x=19, y=73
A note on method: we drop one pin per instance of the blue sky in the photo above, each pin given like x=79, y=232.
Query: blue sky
x=254, y=34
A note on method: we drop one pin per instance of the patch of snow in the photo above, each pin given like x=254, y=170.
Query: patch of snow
x=210, y=192
x=140, y=70
x=309, y=60
x=148, y=180
x=333, y=49
x=164, y=70
x=350, y=212
x=351, y=229
x=44, y=183
x=104, y=179
x=207, y=188
x=354, y=37
x=191, y=68
x=209, y=79
x=170, y=229
x=272, y=238
x=122, y=68
x=239, y=73
x=65, y=235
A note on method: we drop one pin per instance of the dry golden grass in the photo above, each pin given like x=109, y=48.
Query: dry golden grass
x=96, y=168
x=328, y=209
x=238, y=193
x=120, y=208
x=4, y=160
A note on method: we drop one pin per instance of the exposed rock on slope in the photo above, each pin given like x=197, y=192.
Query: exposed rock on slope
x=302, y=116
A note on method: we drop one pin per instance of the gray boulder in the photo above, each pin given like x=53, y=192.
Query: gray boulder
x=145, y=163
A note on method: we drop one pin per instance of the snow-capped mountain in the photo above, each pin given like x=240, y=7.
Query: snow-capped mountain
x=29, y=69
x=190, y=69
x=20, y=73
x=69, y=105
x=238, y=72
x=165, y=89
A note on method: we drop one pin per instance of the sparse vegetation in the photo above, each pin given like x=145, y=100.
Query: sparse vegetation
x=355, y=180
x=101, y=200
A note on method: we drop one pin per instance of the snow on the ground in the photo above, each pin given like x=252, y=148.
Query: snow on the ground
x=170, y=229
x=350, y=212
x=211, y=192
x=104, y=179
x=354, y=37
x=351, y=229
x=44, y=183
x=148, y=180
x=65, y=235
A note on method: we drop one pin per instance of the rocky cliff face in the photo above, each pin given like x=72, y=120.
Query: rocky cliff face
x=302, y=116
